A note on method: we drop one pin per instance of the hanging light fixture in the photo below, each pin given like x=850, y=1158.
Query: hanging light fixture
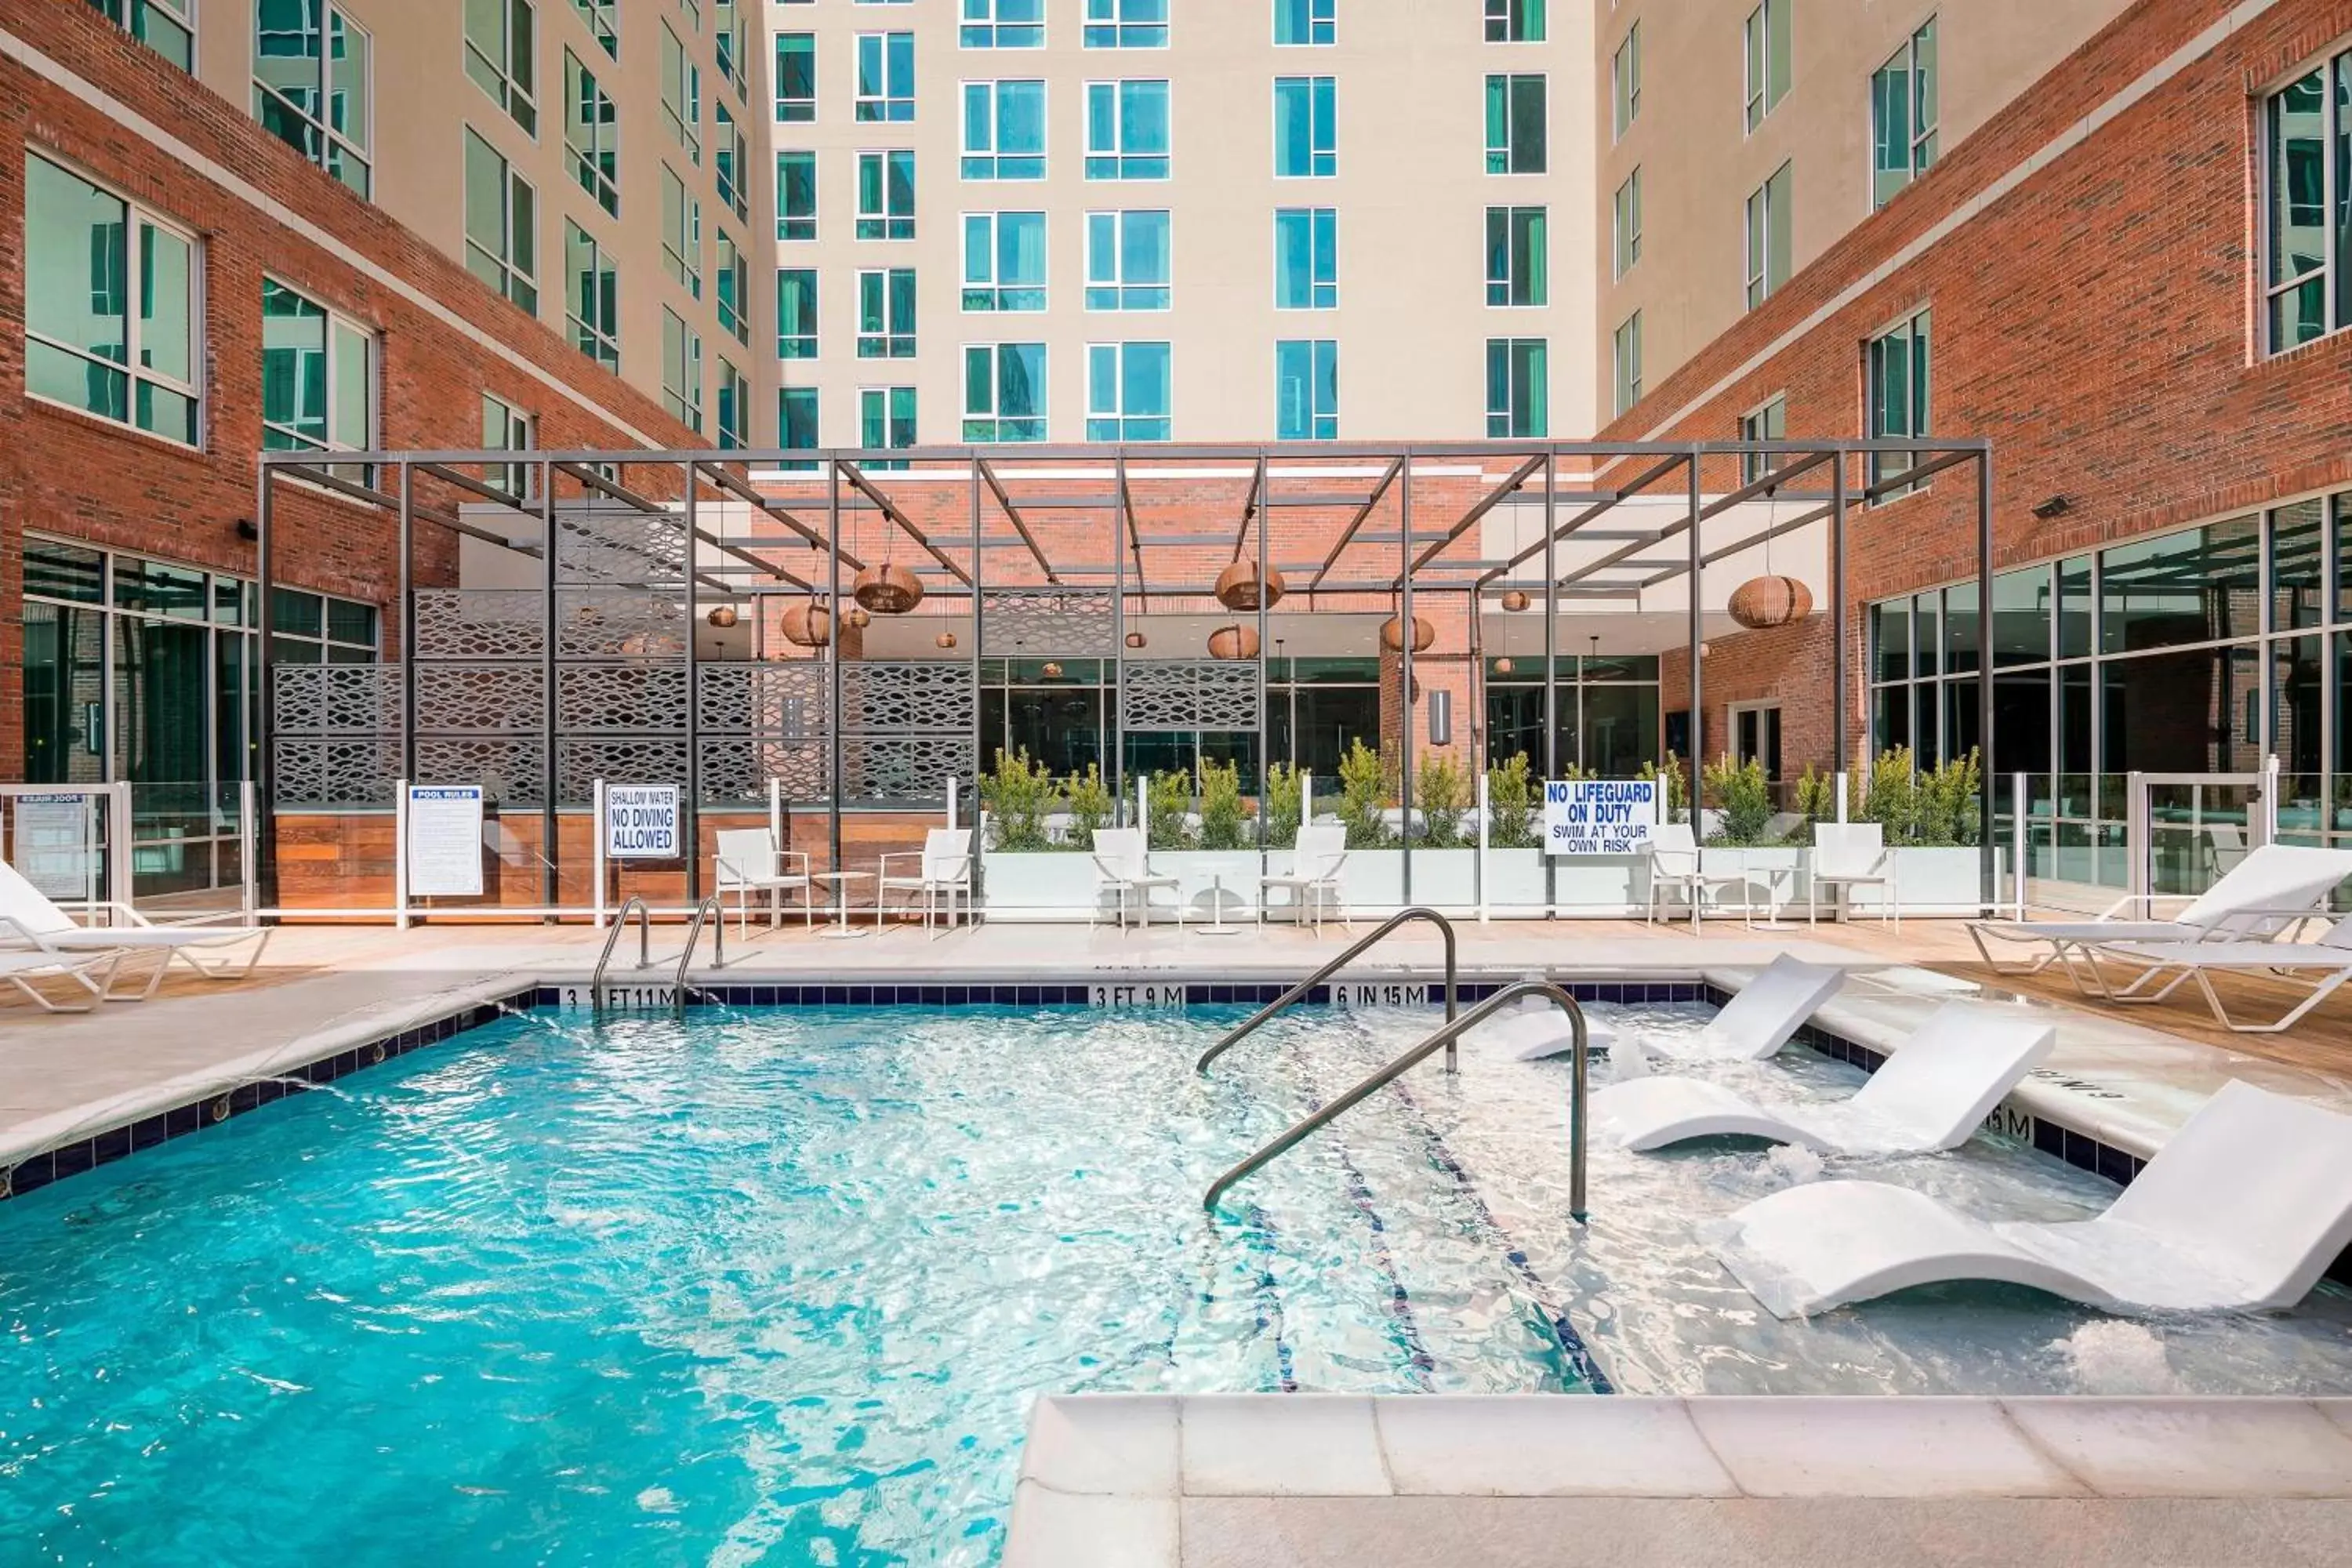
x=1763, y=602
x=1238, y=588
x=1137, y=639
x=1503, y=665
x=888, y=589
x=856, y=617
x=1053, y=671
x=723, y=616
x=1517, y=600
x=1392, y=635
x=1234, y=642
x=945, y=639
x=807, y=623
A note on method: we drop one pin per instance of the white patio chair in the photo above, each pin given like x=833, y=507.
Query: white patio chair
x=943, y=866
x=1313, y=882
x=1930, y=1094
x=2323, y=965
x=748, y=862
x=87, y=978
x=28, y=919
x=1677, y=864
x=1123, y=862
x=2243, y=1210
x=1846, y=856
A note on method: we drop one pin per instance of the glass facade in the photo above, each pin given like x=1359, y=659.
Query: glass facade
x=1604, y=712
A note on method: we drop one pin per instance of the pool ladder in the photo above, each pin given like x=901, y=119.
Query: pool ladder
x=708, y=910
x=1243, y=1031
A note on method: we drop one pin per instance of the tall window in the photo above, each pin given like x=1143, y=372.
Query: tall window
x=318, y=377
x=1126, y=24
x=681, y=96
x=1307, y=389
x=1515, y=21
x=886, y=417
x=1625, y=224
x=1625, y=82
x=731, y=45
x=313, y=84
x=1127, y=261
x=1518, y=387
x=592, y=134
x=1003, y=24
x=734, y=271
x=1896, y=375
x=597, y=17
x=1516, y=267
x=591, y=298
x=1004, y=392
x=886, y=76
x=2307, y=207
x=506, y=428
x=1004, y=262
x=796, y=424
x=795, y=78
x=1903, y=116
x=1768, y=236
x=732, y=161
x=1515, y=124
x=1625, y=355
x=796, y=312
x=886, y=313
x=1127, y=130
x=681, y=371
x=1306, y=127
x=1765, y=37
x=734, y=406
x=111, y=321
x=795, y=195
x=1004, y=131
x=1306, y=21
x=1769, y=422
x=163, y=26
x=885, y=195
x=681, y=233
x=501, y=225
x=501, y=56
x=1128, y=392
x=1306, y=259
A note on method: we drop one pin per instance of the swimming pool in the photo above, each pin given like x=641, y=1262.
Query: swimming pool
x=780, y=1283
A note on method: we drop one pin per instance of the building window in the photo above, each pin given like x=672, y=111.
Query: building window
x=886, y=77
x=1127, y=130
x=1516, y=269
x=1004, y=262
x=1003, y=24
x=1518, y=387
x=591, y=298
x=597, y=17
x=1128, y=392
x=795, y=78
x=501, y=225
x=1769, y=422
x=1625, y=354
x=796, y=312
x=501, y=56
x=797, y=424
x=682, y=234
x=731, y=45
x=732, y=165
x=1307, y=389
x=89, y=256
x=1004, y=131
x=161, y=25
x=734, y=407
x=1625, y=83
x=1306, y=127
x=2307, y=207
x=1625, y=224
x=795, y=195
x=885, y=195
x=885, y=418
x=506, y=428
x=1768, y=236
x=1515, y=21
x=1126, y=24
x=1515, y=124
x=1127, y=261
x=1896, y=378
x=681, y=96
x=1004, y=392
x=313, y=84
x=318, y=377
x=734, y=289
x=592, y=134
x=1903, y=116
x=1765, y=35
x=681, y=371
x=1306, y=22
x=1306, y=259
x=886, y=313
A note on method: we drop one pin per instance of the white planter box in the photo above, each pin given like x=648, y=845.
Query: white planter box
x=1374, y=879
x=1515, y=881
x=1447, y=879
x=1932, y=882
x=1613, y=884
x=1060, y=885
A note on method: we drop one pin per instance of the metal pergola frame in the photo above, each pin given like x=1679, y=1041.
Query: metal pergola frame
x=856, y=484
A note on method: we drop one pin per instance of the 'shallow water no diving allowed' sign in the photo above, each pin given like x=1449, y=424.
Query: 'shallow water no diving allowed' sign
x=1598, y=816
x=641, y=822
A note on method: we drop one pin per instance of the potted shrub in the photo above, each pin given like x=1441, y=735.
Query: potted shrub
x=1445, y=854
x=1216, y=846
x=1025, y=867
x=1743, y=840
x=1375, y=871
x=1515, y=857
x=1930, y=821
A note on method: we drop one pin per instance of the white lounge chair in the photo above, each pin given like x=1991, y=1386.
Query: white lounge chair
x=1846, y=856
x=943, y=869
x=1313, y=880
x=1760, y=1019
x=748, y=862
x=2324, y=965
x=2243, y=1210
x=1930, y=1094
x=1534, y=1028
x=2272, y=891
x=28, y=919
x=87, y=978
x=1677, y=865
x=1123, y=862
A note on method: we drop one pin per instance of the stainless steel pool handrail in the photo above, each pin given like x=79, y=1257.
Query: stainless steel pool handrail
x=709, y=907
x=1417, y=912
x=644, y=946
x=1444, y=1034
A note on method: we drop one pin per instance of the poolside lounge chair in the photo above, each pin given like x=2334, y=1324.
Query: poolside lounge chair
x=1760, y=1019
x=88, y=976
x=1313, y=880
x=28, y=918
x=1123, y=862
x=942, y=869
x=1930, y=1094
x=2273, y=890
x=1846, y=856
x=2324, y=965
x=2243, y=1210
x=748, y=862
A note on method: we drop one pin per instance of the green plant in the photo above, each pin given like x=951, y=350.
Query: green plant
x=1170, y=797
x=1744, y=796
x=1441, y=790
x=1951, y=802
x=1668, y=776
x=1363, y=793
x=1816, y=795
x=1511, y=804
x=1018, y=794
x=1089, y=803
x=1281, y=806
x=1892, y=796
x=1224, y=824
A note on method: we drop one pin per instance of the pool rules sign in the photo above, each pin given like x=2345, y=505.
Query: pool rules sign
x=641, y=822
x=1598, y=816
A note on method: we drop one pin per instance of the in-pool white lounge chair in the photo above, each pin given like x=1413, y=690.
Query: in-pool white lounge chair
x=2272, y=891
x=1759, y=1020
x=2323, y=965
x=1123, y=862
x=28, y=919
x=1313, y=880
x=2243, y=1210
x=941, y=873
x=1534, y=1028
x=86, y=977
x=1930, y=1094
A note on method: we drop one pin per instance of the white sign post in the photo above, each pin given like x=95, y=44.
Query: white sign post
x=1598, y=816
x=445, y=841
x=641, y=822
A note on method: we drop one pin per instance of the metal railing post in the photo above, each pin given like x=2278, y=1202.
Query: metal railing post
x=1284, y=1001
